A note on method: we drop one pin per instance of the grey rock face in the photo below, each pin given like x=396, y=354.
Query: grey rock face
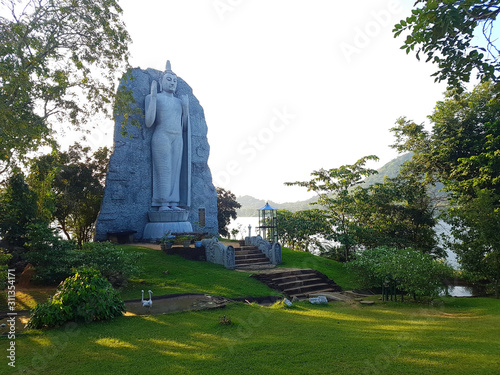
x=128, y=192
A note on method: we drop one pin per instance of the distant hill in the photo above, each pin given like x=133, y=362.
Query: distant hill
x=250, y=205
x=391, y=170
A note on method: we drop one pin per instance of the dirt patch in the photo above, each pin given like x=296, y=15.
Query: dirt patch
x=147, y=245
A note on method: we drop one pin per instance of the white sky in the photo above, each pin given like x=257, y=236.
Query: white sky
x=331, y=69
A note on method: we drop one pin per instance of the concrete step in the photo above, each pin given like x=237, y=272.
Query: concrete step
x=252, y=263
x=295, y=272
x=298, y=283
x=252, y=257
x=244, y=252
x=286, y=279
x=248, y=256
x=255, y=266
x=246, y=248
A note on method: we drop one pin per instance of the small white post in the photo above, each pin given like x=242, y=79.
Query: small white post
x=249, y=230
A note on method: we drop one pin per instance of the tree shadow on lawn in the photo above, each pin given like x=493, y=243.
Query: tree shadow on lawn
x=303, y=339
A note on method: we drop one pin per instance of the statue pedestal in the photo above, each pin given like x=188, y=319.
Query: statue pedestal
x=168, y=216
x=160, y=222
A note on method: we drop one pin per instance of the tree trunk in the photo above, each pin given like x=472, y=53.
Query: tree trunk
x=63, y=228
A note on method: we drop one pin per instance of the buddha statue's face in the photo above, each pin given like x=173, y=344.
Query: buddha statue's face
x=169, y=82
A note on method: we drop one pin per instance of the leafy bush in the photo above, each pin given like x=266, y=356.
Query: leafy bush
x=52, y=257
x=417, y=273
x=55, y=259
x=85, y=297
x=113, y=263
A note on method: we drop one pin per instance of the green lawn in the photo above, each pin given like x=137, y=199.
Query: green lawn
x=454, y=337
x=451, y=336
x=185, y=276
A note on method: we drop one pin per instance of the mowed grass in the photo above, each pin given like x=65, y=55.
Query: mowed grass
x=452, y=337
x=185, y=276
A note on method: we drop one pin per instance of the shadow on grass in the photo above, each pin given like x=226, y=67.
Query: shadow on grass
x=304, y=339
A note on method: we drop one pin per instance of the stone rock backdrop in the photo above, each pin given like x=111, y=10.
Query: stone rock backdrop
x=127, y=196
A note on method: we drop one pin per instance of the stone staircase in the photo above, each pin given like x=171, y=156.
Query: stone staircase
x=251, y=258
x=298, y=283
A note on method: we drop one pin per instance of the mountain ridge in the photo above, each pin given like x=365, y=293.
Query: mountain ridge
x=250, y=205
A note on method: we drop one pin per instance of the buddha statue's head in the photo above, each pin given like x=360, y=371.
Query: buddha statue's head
x=169, y=80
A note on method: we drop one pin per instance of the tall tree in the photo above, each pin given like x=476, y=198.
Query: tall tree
x=462, y=151
x=449, y=33
x=71, y=184
x=17, y=209
x=302, y=229
x=333, y=189
x=398, y=213
x=59, y=62
x=476, y=236
x=226, y=209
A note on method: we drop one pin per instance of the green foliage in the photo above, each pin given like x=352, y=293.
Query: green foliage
x=17, y=210
x=462, y=151
x=333, y=189
x=476, y=236
x=226, y=210
x=70, y=187
x=448, y=33
x=4, y=266
x=52, y=257
x=55, y=259
x=463, y=146
x=60, y=62
x=111, y=261
x=85, y=297
x=397, y=213
x=302, y=229
x=417, y=274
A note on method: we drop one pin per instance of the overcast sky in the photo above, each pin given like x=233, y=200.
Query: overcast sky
x=287, y=86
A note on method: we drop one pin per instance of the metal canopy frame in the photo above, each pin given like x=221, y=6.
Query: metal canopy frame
x=268, y=223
